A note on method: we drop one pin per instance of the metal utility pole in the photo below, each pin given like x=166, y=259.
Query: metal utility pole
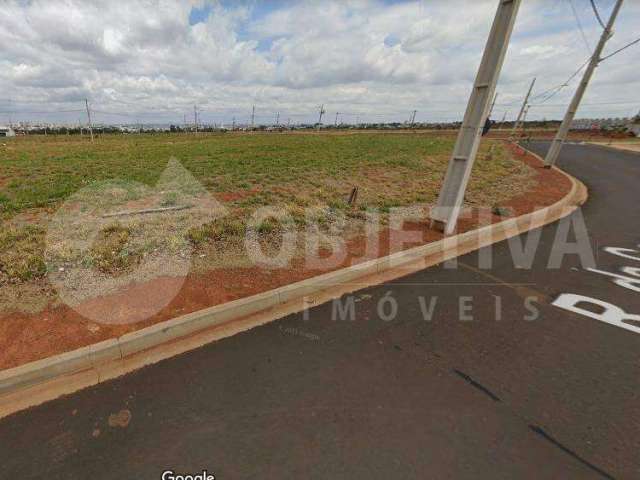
x=516, y=125
x=561, y=136
x=253, y=115
x=504, y=117
x=277, y=119
x=86, y=102
x=493, y=104
x=322, y=112
x=233, y=124
x=336, y=123
x=195, y=117
x=445, y=214
x=524, y=120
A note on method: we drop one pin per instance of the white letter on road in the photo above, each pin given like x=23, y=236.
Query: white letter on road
x=621, y=280
x=612, y=314
x=620, y=252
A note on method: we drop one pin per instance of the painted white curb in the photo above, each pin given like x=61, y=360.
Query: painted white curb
x=115, y=354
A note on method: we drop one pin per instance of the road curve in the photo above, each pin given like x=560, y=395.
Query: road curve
x=498, y=383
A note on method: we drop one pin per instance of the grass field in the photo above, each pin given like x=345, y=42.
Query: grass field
x=36, y=171
x=243, y=171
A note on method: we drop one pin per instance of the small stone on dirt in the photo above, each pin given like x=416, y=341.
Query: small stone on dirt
x=120, y=419
x=93, y=328
x=503, y=211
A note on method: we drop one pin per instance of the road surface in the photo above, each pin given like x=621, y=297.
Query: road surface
x=492, y=386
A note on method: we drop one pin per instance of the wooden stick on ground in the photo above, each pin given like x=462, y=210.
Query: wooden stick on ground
x=146, y=210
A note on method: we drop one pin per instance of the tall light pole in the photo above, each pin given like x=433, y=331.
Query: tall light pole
x=445, y=215
x=86, y=102
x=561, y=136
x=516, y=125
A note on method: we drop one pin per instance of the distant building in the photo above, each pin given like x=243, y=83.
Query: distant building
x=599, y=123
x=7, y=132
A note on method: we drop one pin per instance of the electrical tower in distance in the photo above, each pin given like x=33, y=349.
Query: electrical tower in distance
x=322, y=112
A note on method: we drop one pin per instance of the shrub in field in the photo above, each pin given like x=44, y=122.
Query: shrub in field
x=21, y=254
x=110, y=254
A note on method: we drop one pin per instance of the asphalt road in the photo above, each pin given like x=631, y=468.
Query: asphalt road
x=523, y=390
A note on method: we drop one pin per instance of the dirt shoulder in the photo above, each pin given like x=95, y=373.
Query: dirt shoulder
x=57, y=328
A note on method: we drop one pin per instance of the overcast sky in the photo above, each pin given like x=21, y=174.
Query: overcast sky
x=152, y=60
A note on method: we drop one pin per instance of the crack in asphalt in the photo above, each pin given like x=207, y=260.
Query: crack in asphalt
x=477, y=385
x=569, y=452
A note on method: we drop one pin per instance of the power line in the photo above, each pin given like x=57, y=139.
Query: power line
x=579, y=23
x=16, y=112
x=595, y=10
x=583, y=104
x=553, y=91
x=620, y=49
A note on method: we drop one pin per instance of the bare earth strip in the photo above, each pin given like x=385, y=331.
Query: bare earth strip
x=390, y=172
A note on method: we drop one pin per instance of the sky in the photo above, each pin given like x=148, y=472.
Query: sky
x=151, y=61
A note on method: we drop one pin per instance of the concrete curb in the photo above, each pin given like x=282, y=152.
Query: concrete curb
x=51, y=377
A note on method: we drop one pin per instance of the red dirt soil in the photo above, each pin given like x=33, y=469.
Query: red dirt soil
x=28, y=337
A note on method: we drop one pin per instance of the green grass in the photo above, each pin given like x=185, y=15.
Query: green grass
x=244, y=171
x=39, y=171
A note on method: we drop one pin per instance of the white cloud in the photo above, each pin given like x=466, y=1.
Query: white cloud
x=144, y=58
